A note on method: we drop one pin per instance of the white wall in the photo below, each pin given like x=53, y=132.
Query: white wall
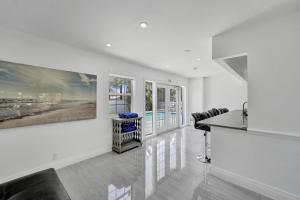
x=273, y=70
x=268, y=165
x=217, y=91
x=26, y=149
x=195, y=96
x=273, y=90
x=224, y=90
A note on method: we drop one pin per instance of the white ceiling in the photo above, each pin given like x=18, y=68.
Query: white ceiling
x=174, y=25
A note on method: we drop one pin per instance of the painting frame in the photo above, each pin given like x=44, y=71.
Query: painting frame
x=34, y=95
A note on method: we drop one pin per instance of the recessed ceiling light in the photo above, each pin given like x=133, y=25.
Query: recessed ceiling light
x=167, y=66
x=198, y=59
x=108, y=45
x=195, y=68
x=187, y=50
x=144, y=24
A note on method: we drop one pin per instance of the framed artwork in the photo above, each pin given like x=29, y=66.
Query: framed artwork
x=31, y=95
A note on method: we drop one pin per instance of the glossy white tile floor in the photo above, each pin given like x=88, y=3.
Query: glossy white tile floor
x=164, y=168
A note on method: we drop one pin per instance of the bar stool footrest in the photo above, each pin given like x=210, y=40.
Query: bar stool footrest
x=203, y=159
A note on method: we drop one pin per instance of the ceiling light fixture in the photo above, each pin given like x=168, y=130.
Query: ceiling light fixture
x=167, y=66
x=144, y=24
x=108, y=45
x=198, y=59
x=195, y=68
x=187, y=50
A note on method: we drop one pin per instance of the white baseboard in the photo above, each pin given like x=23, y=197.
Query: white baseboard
x=280, y=134
x=58, y=163
x=251, y=184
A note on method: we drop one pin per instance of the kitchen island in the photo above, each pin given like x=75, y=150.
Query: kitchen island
x=233, y=119
x=230, y=122
x=231, y=148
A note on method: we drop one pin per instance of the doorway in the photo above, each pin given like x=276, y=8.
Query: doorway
x=167, y=107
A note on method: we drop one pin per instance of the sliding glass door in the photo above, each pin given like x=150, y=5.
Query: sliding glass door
x=160, y=108
x=166, y=108
x=173, y=107
x=148, y=108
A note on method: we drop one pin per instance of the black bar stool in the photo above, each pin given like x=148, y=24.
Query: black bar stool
x=210, y=113
x=225, y=110
x=215, y=111
x=201, y=116
x=198, y=117
x=204, y=158
x=221, y=110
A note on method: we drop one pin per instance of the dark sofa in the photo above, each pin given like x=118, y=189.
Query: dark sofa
x=43, y=185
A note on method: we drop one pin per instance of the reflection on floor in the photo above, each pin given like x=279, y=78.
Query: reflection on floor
x=164, y=168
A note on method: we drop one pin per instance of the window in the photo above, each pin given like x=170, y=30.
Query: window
x=120, y=94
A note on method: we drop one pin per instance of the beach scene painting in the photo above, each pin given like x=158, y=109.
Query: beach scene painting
x=32, y=95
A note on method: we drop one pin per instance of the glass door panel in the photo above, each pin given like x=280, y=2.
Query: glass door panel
x=173, y=108
x=161, y=109
x=148, y=108
x=167, y=116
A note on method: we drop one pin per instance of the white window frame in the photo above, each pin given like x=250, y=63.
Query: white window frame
x=117, y=94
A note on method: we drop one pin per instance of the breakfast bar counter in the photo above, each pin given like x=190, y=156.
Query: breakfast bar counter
x=233, y=119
